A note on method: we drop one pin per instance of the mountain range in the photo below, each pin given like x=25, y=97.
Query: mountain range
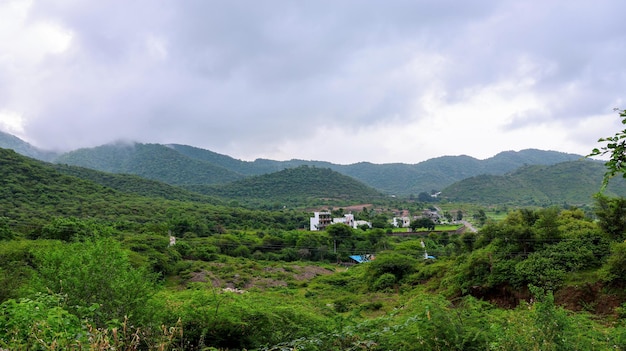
x=184, y=165
x=571, y=183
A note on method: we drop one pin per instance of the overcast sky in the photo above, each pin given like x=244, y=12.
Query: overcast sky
x=342, y=81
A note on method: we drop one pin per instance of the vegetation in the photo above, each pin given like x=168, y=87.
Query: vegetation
x=151, y=161
x=616, y=148
x=185, y=165
x=569, y=183
x=294, y=186
x=86, y=262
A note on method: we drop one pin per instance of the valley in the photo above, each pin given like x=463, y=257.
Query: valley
x=159, y=251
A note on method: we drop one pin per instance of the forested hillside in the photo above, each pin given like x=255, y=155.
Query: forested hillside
x=151, y=161
x=182, y=164
x=568, y=183
x=397, y=178
x=33, y=192
x=133, y=184
x=87, y=266
x=8, y=141
x=295, y=186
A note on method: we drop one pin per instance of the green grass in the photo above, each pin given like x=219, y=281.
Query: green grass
x=441, y=227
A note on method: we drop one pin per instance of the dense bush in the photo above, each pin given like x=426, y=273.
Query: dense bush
x=97, y=274
x=389, y=269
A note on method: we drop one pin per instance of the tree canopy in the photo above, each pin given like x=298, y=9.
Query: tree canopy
x=616, y=148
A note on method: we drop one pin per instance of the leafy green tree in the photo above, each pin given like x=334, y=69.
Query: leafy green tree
x=611, y=214
x=459, y=215
x=340, y=234
x=424, y=197
x=423, y=222
x=518, y=232
x=616, y=148
x=547, y=225
x=95, y=273
x=540, y=271
x=614, y=271
x=380, y=221
x=481, y=216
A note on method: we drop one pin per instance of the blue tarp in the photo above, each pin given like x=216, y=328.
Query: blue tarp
x=361, y=258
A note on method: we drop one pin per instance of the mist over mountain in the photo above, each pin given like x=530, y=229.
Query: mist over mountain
x=9, y=141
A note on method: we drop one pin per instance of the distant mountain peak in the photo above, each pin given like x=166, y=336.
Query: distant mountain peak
x=9, y=141
x=183, y=164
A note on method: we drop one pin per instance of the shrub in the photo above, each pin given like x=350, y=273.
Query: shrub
x=540, y=271
x=37, y=324
x=614, y=270
x=96, y=272
x=399, y=266
x=385, y=282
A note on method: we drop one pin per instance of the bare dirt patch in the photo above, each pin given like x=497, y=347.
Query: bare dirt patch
x=265, y=278
x=310, y=272
x=588, y=297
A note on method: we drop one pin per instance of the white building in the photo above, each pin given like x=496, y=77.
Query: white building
x=401, y=222
x=347, y=219
x=320, y=220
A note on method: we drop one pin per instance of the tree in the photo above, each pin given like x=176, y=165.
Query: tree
x=391, y=268
x=459, y=215
x=423, y=222
x=547, y=225
x=611, y=214
x=380, y=221
x=339, y=233
x=481, y=216
x=614, y=270
x=616, y=148
x=424, y=197
x=95, y=273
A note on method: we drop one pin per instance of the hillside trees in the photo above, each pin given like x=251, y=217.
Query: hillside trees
x=5, y=232
x=536, y=247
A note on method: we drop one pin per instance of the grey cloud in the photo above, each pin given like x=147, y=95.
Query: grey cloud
x=257, y=73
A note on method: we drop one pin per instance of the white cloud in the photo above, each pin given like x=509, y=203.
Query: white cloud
x=24, y=41
x=349, y=82
x=12, y=122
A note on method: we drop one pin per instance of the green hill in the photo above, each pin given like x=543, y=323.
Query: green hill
x=572, y=183
x=396, y=178
x=151, y=161
x=298, y=183
x=132, y=184
x=8, y=141
x=33, y=192
x=187, y=165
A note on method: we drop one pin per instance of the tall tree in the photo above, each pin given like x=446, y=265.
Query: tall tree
x=611, y=214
